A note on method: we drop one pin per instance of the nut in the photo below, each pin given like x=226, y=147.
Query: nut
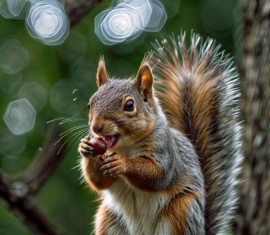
x=98, y=144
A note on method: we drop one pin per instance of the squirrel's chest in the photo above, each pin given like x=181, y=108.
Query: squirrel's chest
x=139, y=211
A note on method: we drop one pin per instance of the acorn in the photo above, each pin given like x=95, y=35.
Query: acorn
x=99, y=145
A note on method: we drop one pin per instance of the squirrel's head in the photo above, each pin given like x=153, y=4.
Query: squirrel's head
x=122, y=111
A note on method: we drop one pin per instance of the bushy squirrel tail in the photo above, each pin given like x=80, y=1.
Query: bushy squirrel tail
x=198, y=89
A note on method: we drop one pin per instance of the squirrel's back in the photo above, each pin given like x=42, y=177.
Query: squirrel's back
x=198, y=89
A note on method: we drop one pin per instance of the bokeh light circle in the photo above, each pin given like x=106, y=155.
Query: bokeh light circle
x=10, y=9
x=15, y=7
x=158, y=19
x=120, y=24
x=117, y=25
x=128, y=19
x=48, y=22
x=142, y=8
x=20, y=116
x=14, y=57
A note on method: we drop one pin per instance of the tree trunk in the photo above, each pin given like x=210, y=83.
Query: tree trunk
x=254, y=211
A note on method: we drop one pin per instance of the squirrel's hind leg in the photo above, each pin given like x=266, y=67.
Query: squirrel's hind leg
x=185, y=214
x=108, y=224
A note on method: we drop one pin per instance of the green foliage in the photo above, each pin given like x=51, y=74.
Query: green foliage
x=59, y=71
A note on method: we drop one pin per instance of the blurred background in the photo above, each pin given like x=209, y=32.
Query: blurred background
x=42, y=83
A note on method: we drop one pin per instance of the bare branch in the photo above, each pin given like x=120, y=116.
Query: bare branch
x=44, y=163
x=17, y=193
x=77, y=9
x=14, y=195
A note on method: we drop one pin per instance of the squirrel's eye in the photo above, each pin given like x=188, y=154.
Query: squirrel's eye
x=129, y=106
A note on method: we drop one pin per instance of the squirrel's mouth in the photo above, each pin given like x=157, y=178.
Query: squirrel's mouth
x=110, y=140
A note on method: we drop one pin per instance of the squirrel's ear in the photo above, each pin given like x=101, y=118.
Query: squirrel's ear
x=102, y=76
x=144, y=81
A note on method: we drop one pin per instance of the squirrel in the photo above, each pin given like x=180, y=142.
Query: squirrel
x=173, y=138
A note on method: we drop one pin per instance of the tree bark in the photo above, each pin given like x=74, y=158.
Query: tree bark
x=14, y=194
x=44, y=164
x=254, y=211
x=17, y=193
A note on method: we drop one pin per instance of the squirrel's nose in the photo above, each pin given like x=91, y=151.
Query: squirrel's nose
x=97, y=128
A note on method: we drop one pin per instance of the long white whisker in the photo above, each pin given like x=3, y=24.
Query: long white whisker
x=73, y=120
x=73, y=129
x=76, y=138
x=74, y=135
x=65, y=133
x=64, y=120
x=66, y=141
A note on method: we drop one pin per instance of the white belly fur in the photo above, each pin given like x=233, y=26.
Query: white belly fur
x=139, y=210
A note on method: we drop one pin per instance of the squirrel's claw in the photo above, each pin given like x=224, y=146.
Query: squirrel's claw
x=113, y=166
x=86, y=150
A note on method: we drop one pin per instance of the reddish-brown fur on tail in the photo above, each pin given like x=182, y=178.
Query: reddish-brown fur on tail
x=198, y=91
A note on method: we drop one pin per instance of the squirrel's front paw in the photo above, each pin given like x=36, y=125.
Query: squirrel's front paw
x=92, y=147
x=114, y=165
x=85, y=149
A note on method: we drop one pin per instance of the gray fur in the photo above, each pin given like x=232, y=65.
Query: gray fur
x=179, y=162
x=222, y=169
x=141, y=212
